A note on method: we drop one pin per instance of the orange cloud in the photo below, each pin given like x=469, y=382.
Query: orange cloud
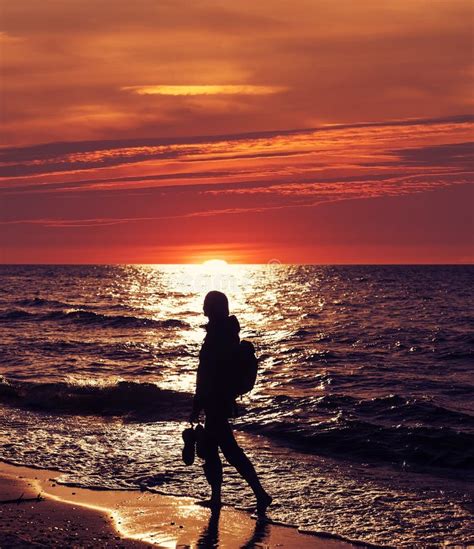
x=225, y=89
x=311, y=129
x=65, y=70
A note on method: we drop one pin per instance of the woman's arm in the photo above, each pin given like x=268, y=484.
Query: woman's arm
x=203, y=384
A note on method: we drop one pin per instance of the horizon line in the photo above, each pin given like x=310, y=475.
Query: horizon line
x=230, y=264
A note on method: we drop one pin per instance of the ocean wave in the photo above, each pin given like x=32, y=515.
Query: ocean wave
x=40, y=302
x=388, y=410
x=139, y=353
x=389, y=429
x=422, y=447
x=322, y=355
x=456, y=355
x=16, y=314
x=394, y=408
x=146, y=400
x=80, y=316
x=340, y=425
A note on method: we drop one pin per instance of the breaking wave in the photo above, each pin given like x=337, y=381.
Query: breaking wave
x=390, y=429
x=120, y=398
x=80, y=316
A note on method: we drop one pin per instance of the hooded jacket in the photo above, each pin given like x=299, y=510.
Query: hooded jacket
x=214, y=383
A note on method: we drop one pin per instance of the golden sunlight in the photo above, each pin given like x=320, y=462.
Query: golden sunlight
x=216, y=264
x=204, y=90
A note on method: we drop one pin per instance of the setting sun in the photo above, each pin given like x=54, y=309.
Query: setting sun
x=216, y=264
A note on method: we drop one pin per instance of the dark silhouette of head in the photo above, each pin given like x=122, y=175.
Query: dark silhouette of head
x=216, y=305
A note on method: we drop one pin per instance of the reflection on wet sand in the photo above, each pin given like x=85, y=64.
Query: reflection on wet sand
x=166, y=521
x=209, y=537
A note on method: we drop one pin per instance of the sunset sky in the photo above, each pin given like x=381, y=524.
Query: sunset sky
x=303, y=131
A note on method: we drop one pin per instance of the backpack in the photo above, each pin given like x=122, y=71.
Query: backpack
x=246, y=368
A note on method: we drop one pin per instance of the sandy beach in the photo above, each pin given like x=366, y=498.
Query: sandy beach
x=75, y=517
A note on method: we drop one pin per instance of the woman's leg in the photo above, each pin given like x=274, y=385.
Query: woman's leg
x=236, y=457
x=212, y=462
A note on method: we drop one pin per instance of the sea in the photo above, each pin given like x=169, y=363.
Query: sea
x=361, y=423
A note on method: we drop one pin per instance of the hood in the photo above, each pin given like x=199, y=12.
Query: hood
x=233, y=324
x=229, y=324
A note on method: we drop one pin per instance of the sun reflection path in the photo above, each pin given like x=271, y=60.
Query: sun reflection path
x=177, y=292
x=241, y=283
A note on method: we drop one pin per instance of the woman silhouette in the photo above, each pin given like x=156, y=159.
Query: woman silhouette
x=216, y=397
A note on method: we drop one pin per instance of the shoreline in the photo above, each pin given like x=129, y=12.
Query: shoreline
x=81, y=517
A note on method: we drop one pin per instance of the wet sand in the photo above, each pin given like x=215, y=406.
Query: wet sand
x=76, y=517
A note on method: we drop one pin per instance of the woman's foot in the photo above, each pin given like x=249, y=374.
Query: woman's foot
x=212, y=503
x=263, y=502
